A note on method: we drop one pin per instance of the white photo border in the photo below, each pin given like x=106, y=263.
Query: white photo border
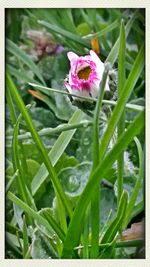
x=73, y=4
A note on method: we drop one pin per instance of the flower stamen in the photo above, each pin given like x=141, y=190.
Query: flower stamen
x=84, y=73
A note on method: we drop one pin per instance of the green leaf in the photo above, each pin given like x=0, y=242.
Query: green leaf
x=74, y=179
x=83, y=28
x=47, y=213
x=33, y=166
x=43, y=117
x=108, y=206
x=63, y=106
x=13, y=241
x=58, y=104
x=19, y=74
x=18, y=216
x=65, y=161
x=15, y=50
x=84, y=150
x=41, y=247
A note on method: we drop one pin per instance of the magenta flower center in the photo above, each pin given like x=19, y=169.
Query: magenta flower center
x=84, y=73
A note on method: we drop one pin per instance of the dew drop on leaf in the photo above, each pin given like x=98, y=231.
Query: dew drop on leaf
x=73, y=183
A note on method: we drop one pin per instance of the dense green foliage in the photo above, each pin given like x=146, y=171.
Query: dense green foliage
x=74, y=170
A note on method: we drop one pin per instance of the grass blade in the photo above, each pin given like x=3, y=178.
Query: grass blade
x=64, y=33
x=118, y=110
x=108, y=28
x=137, y=185
x=12, y=241
x=116, y=224
x=72, y=239
x=13, y=178
x=36, y=216
x=137, y=209
x=95, y=205
x=16, y=164
x=42, y=149
x=25, y=238
x=11, y=107
x=111, y=58
x=56, y=151
x=96, y=119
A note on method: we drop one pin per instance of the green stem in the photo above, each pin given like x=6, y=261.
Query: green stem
x=119, y=244
x=95, y=204
x=121, y=123
x=108, y=102
x=52, y=131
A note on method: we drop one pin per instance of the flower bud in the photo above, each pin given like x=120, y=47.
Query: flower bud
x=85, y=75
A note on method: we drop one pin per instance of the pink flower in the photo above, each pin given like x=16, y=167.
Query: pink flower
x=85, y=74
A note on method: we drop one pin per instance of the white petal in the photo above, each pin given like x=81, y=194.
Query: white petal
x=72, y=55
x=97, y=60
x=68, y=87
x=80, y=93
